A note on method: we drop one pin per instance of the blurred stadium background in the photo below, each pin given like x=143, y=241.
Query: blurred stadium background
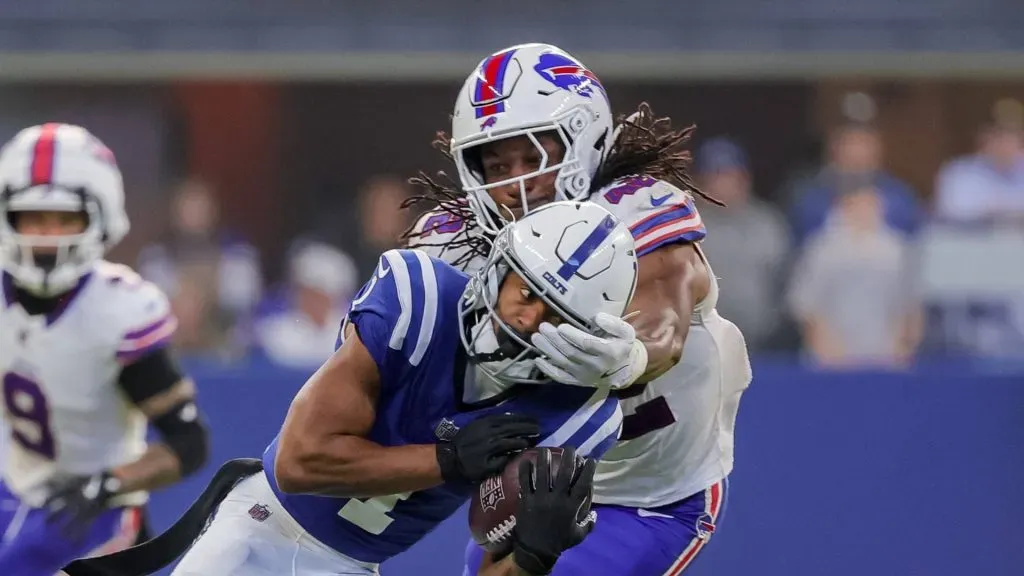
x=265, y=147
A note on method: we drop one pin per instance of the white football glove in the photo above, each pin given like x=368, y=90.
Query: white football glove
x=612, y=360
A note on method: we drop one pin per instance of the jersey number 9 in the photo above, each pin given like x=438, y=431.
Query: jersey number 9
x=29, y=414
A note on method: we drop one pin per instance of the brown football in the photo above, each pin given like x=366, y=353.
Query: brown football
x=492, y=510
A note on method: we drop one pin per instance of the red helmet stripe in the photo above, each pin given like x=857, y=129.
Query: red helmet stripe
x=43, y=155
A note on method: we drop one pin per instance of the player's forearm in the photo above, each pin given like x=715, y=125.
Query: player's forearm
x=671, y=279
x=354, y=467
x=156, y=468
x=663, y=334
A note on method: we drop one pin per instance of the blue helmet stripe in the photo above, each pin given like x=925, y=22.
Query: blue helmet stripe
x=586, y=249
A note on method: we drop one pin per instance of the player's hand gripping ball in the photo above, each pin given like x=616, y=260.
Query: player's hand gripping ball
x=497, y=500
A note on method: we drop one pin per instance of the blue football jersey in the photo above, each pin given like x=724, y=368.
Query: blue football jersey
x=406, y=316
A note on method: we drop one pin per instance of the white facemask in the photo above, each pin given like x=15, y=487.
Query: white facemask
x=485, y=341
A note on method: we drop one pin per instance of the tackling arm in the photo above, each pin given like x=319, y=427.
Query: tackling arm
x=672, y=280
x=323, y=450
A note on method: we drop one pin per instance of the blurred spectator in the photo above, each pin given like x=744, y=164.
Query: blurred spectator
x=855, y=155
x=322, y=280
x=747, y=242
x=212, y=277
x=989, y=185
x=854, y=289
x=382, y=220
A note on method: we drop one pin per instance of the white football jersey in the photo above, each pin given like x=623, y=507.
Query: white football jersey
x=677, y=434
x=64, y=412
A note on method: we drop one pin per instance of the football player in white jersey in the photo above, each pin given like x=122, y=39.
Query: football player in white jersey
x=532, y=124
x=83, y=360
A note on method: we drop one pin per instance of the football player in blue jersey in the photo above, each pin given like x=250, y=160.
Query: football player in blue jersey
x=533, y=124
x=433, y=389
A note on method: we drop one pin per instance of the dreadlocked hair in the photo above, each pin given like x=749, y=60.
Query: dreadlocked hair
x=644, y=145
x=647, y=145
x=441, y=195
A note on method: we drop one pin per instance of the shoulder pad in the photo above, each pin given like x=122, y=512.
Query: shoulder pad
x=396, y=311
x=656, y=211
x=436, y=227
x=142, y=311
x=443, y=235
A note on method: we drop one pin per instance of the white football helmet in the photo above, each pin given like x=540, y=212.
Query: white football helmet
x=526, y=90
x=576, y=256
x=58, y=167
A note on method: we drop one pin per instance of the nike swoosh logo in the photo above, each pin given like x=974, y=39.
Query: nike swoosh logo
x=651, y=514
x=661, y=200
x=384, y=269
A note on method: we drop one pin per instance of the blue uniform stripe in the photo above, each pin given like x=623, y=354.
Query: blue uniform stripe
x=589, y=245
x=598, y=419
x=428, y=313
x=416, y=286
x=604, y=446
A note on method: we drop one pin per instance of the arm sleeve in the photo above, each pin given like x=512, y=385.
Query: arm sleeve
x=149, y=375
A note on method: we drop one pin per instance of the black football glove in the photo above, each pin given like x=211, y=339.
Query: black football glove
x=553, y=513
x=76, y=501
x=483, y=447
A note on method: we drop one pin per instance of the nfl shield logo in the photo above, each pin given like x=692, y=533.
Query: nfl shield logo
x=491, y=493
x=259, y=512
x=445, y=430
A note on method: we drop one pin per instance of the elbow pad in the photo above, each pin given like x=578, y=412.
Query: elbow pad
x=183, y=431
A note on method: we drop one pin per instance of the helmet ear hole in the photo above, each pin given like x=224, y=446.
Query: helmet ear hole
x=578, y=185
x=577, y=124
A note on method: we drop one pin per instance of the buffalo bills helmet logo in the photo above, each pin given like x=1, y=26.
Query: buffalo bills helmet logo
x=568, y=74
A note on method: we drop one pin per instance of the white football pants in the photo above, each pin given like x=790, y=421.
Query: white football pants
x=239, y=543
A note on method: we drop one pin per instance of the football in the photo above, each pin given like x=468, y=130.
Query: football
x=492, y=510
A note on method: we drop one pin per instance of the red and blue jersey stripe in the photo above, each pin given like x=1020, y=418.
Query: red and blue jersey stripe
x=489, y=92
x=676, y=223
